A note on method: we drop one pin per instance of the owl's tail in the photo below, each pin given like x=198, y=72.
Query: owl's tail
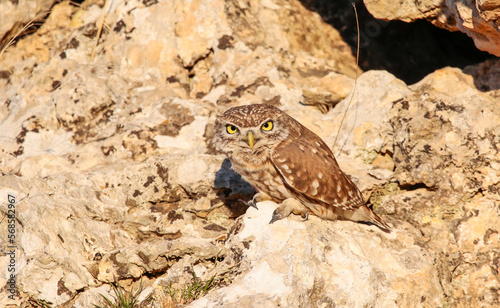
x=365, y=214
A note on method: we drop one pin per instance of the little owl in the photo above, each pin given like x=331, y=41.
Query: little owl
x=287, y=163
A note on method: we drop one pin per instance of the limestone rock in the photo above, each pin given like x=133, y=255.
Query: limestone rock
x=454, y=121
x=446, y=158
x=323, y=263
x=486, y=76
x=137, y=98
x=78, y=231
x=16, y=14
x=477, y=19
x=363, y=115
x=115, y=176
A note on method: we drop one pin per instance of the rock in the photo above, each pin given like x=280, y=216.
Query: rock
x=324, y=263
x=364, y=117
x=486, y=76
x=459, y=126
x=406, y=11
x=477, y=19
x=117, y=108
x=116, y=179
x=446, y=158
x=16, y=14
x=89, y=226
x=94, y=295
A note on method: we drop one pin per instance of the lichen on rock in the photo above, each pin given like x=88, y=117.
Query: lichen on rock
x=116, y=180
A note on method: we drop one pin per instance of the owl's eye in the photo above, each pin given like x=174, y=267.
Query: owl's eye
x=231, y=129
x=268, y=126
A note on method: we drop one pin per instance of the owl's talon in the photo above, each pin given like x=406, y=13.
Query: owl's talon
x=276, y=217
x=249, y=203
x=305, y=216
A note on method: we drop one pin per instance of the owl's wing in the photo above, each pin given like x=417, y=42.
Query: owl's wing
x=308, y=166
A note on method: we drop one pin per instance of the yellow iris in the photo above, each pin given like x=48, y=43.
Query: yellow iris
x=268, y=126
x=231, y=129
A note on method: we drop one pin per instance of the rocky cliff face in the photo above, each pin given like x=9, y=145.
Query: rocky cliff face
x=478, y=19
x=115, y=179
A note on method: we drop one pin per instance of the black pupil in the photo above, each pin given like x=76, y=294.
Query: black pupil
x=233, y=128
x=266, y=125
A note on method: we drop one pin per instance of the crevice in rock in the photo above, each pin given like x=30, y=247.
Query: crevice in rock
x=385, y=45
x=411, y=187
x=201, y=58
x=38, y=21
x=171, y=260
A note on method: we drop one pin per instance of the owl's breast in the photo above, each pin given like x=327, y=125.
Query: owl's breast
x=262, y=175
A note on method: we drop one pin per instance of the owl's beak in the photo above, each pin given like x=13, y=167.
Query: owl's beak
x=251, y=139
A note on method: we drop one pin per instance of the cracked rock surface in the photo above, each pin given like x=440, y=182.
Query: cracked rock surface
x=478, y=19
x=116, y=179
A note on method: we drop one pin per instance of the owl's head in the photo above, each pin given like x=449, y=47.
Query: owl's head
x=251, y=128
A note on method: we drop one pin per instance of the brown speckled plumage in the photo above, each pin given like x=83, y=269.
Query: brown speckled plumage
x=289, y=164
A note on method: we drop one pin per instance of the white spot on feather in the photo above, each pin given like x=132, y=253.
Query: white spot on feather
x=301, y=147
x=338, y=188
x=315, y=184
x=286, y=168
x=314, y=151
x=318, y=144
x=320, y=175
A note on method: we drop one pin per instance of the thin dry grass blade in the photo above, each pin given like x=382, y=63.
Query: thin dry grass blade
x=23, y=29
x=99, y=29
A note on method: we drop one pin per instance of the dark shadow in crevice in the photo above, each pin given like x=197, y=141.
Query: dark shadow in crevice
x=410, y=51
x=486, y=76
x=16, y=33
x=411, y=187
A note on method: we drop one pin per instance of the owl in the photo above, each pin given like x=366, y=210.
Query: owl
x=287, y=163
